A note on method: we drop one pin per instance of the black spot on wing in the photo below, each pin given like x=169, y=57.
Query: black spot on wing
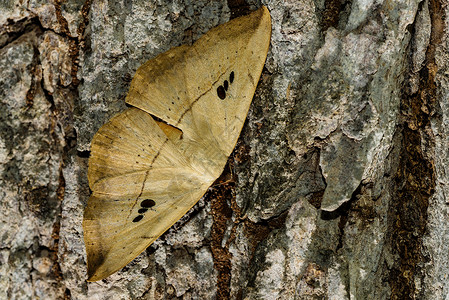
x=147, y=203
x=221, y=92
x=138, y=218
x=231, y=77
x=142, y=210
x=226, y=85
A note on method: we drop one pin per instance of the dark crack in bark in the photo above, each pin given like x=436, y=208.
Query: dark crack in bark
x=238, y=8
x=415, y=177
x=221, y=213
x=331, y=13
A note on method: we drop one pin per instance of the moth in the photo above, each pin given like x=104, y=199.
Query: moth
x=151, y=163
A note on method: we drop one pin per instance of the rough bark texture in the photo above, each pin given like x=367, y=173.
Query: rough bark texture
x=337, y=189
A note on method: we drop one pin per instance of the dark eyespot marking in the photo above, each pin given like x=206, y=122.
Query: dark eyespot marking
x=231, y=77
x=142, y=210
x=138, y=218
x=221, y=92
x=225, y=84
x=147, y=203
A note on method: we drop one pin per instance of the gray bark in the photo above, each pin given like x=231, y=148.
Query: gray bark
x=337, y=188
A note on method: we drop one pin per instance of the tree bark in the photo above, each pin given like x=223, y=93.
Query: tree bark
x=337, y=188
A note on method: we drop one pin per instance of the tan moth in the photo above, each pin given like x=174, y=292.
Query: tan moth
x=146, y=174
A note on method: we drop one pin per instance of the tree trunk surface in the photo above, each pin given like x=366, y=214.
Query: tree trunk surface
x=338, y=186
